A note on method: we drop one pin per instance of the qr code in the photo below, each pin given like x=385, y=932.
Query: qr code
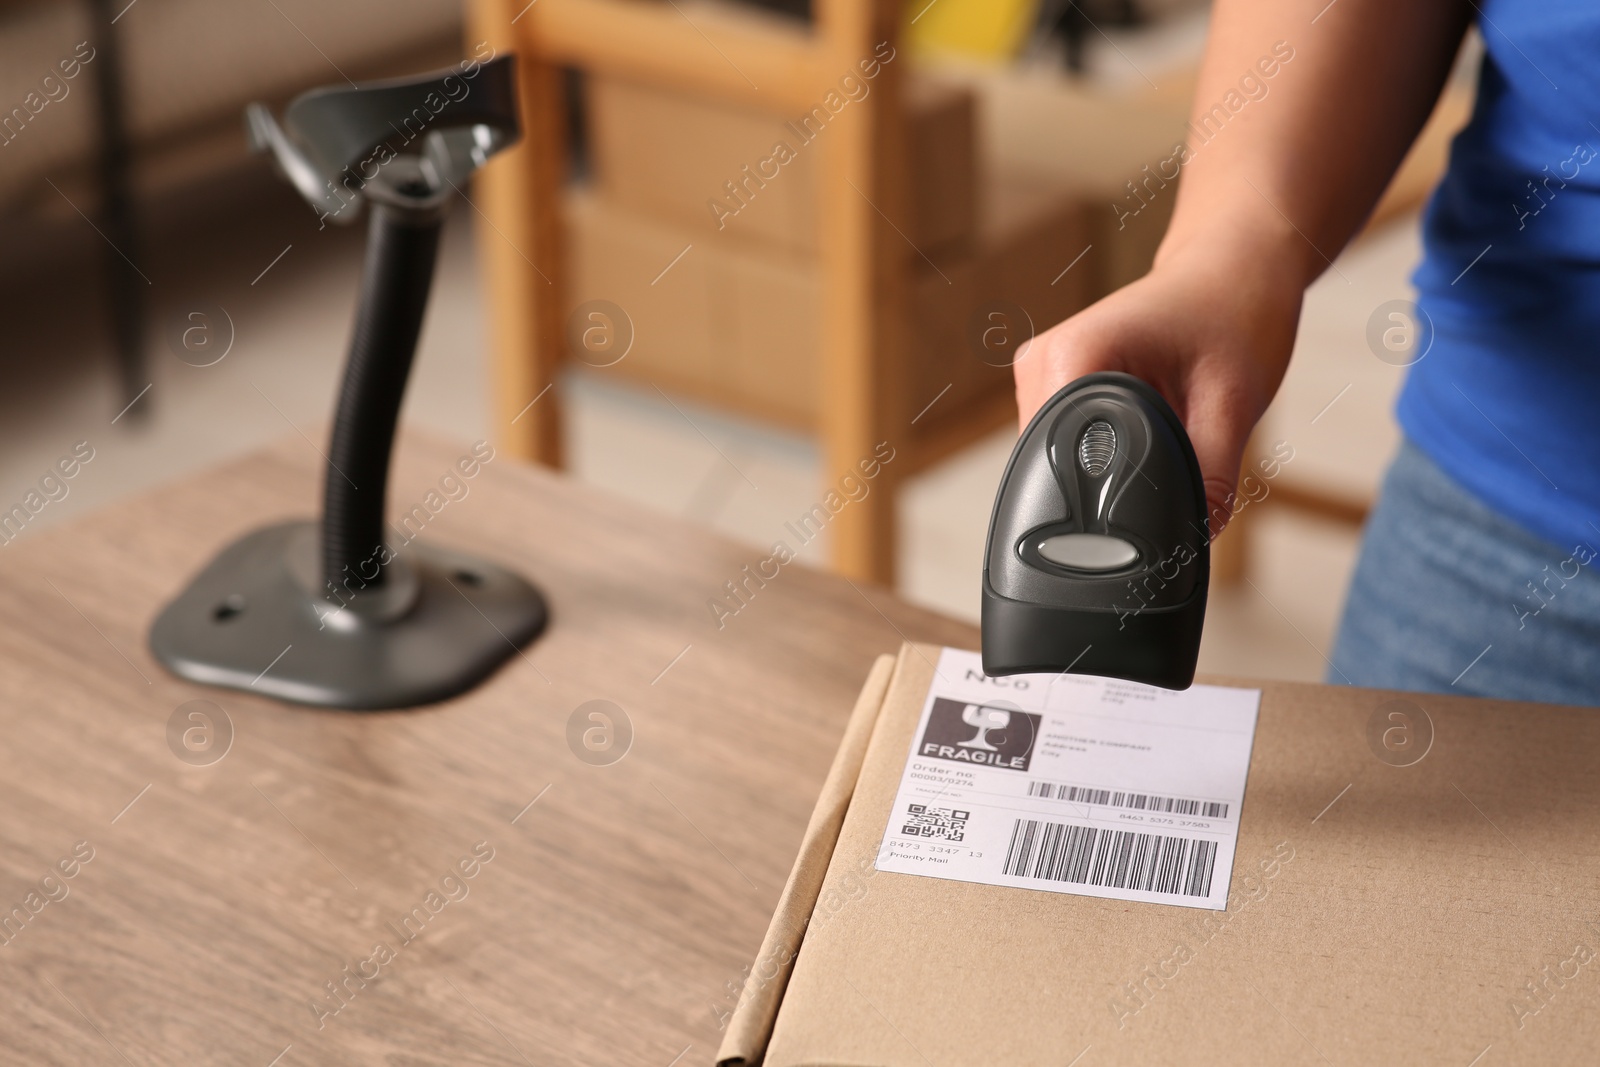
x=942, y=824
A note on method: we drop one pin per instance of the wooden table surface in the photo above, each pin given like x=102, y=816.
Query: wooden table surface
x=219, y=902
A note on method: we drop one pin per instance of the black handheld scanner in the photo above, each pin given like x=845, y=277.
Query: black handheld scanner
x=1098, y=555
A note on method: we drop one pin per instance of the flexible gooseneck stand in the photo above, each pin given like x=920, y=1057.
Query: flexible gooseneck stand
x=336, y=613
x=402, y=243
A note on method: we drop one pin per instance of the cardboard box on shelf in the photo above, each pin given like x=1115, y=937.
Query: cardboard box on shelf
x=739, y=323
x=1042, y=123
x=727, y=323
x=768, y=313
x=966, y=321
x=697, y=162
x=1114, y=153
x=942, y=163
x=1035, y=247
x=615, y=257
x=1068, y=204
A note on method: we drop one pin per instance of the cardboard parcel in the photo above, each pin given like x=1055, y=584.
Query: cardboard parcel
x=1416, y=880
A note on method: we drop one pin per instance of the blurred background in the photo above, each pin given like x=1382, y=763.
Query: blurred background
x=129, y=205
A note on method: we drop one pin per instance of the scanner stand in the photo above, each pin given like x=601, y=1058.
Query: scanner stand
x=339, y=613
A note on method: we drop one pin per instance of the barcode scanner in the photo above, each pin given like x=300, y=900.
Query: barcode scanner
x=1098, y=555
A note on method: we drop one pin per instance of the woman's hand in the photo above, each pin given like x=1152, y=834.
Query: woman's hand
x=1211, y=332
x=1264, y=204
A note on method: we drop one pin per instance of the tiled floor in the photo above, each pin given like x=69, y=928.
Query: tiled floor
x=290, y=325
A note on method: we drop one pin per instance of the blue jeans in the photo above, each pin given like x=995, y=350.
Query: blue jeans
x=1450, y=597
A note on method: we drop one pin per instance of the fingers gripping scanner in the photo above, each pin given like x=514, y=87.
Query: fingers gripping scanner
x=1098, y=555
x=339, y=612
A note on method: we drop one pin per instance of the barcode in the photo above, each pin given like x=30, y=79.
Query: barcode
x=1210, y=809
x=1120, y=859
x=943, y=824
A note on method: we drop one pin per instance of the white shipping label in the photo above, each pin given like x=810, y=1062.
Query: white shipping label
x=1071, y=784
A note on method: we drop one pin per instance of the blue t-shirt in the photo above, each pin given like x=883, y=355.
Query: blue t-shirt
x=1507, y=399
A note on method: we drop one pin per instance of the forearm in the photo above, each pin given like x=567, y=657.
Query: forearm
x=1276, y=188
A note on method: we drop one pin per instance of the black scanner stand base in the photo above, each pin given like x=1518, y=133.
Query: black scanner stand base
x=253, y=620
